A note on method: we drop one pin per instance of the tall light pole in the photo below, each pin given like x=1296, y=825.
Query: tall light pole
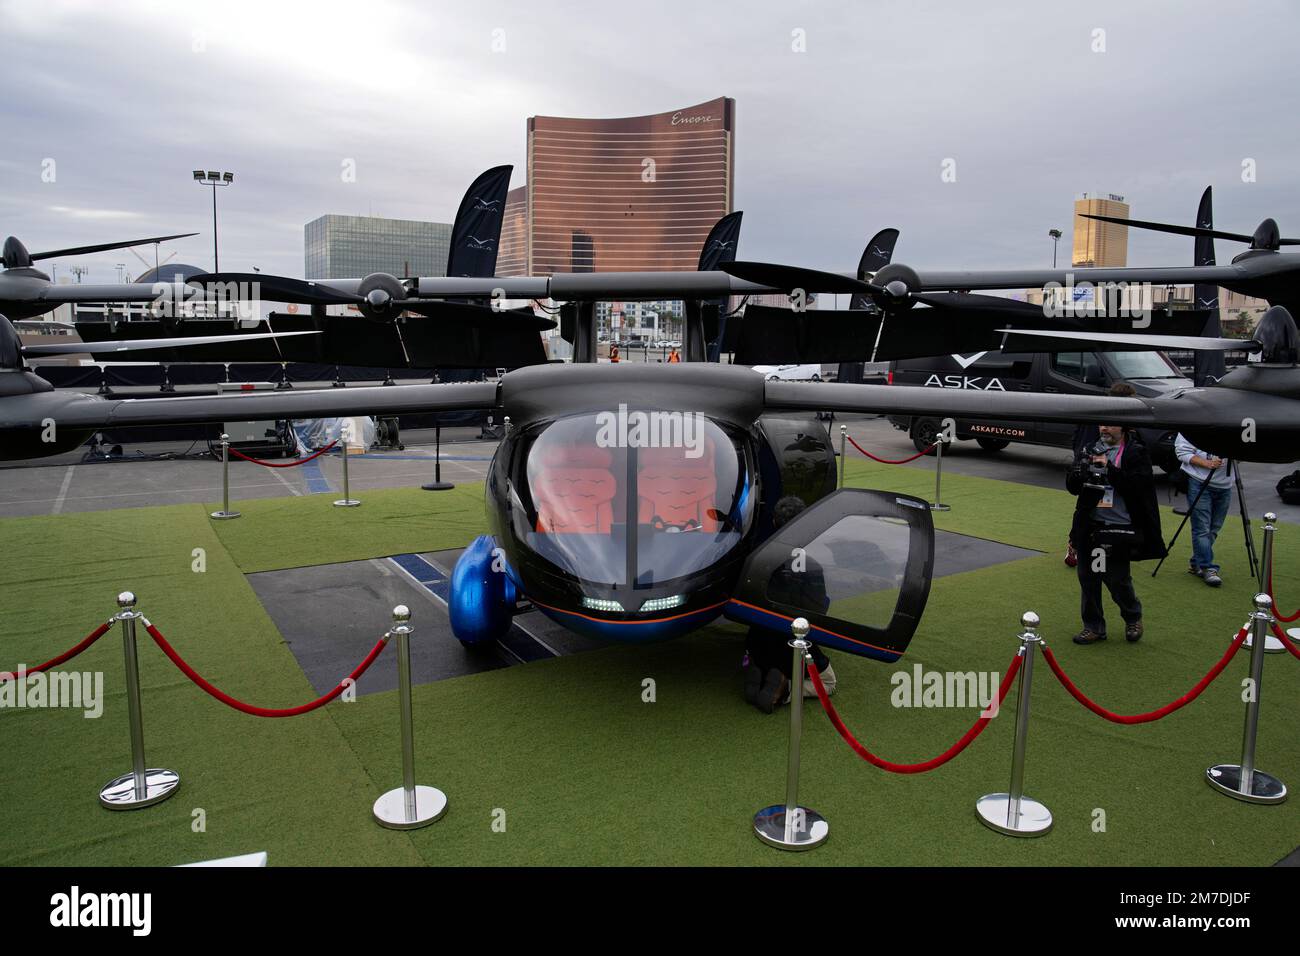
x=214, y=179
x=1056, y=236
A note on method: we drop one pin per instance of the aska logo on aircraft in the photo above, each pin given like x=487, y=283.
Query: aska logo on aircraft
x=981, y=382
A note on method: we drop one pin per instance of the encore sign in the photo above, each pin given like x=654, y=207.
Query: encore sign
x=680, y=120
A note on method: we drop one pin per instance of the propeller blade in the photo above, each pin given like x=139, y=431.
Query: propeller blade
x=1102, y=339
x=789, y=278
x=106, y=246
x=139, y=345
x=970, y=302
x=277, y=288
x=1182, y=230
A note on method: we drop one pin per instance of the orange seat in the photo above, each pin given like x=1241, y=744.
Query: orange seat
x=675, y=491
x=573, y=491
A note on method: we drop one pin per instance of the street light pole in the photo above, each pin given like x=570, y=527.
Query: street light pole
x=1056, y=236
x=214, y=179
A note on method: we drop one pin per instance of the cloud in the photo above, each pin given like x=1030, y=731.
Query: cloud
x=832, y=143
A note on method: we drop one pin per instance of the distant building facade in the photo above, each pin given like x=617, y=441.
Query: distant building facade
x=1100, y=244
x=351, y=247
x=513, y=258
x=634, y=194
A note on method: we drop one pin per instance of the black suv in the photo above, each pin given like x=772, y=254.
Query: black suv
x=1072, y=373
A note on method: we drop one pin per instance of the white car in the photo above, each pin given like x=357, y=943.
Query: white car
x=795, y=373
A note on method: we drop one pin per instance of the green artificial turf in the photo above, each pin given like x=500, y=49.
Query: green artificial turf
x=568, y=753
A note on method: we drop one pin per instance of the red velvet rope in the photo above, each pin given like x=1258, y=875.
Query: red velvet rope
x=976, y=729
x=1286, y=641
x=71, y=652
x=889, y=461
x=284, y=464
x=1284, y=618
x=249, y=708
x=1164, y=711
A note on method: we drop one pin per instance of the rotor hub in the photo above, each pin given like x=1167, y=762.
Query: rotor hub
x=379, y=292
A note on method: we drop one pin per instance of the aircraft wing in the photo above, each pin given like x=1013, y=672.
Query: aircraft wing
x=966, y=403
x=122, y=292
x=1037, y=278
x=91, y=411
x=1242, y=425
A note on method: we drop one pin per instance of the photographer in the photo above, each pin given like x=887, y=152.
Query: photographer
x=1116, y=521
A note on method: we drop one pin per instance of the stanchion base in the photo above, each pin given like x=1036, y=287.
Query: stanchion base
x=223, y=515
x=438, y=486
x=1265, y=788
x=390, y=809
x=992, y=809
x=347, y=503
x=770, y=827
x=938, y=507
x=119, y=793
x=1271, y=644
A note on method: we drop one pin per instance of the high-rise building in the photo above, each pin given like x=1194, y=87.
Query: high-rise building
x=513, y=259
x=1102, y=244
x=633, y=194
x=351, y=247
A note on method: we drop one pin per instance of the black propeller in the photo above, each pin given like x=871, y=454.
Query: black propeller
x=276, y=288
x=1275, y=338
x=1266, y=235
x=16, y=254
x=892, y=289
x=378, y=296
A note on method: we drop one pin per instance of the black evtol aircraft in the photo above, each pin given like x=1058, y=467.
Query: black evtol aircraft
x=633, y=501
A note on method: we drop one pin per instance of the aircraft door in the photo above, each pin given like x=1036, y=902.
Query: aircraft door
x=856, y=564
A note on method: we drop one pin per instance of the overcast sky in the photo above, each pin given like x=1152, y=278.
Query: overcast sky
x=1036, y=102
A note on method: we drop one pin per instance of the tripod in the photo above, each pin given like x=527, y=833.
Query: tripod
x=1255, y=570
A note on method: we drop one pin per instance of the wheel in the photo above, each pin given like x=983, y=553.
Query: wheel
x=774, y=378
x=992, y=444
x=816, y=377
x=924, y=433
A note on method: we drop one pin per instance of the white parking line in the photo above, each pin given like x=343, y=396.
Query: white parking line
x=63, y=491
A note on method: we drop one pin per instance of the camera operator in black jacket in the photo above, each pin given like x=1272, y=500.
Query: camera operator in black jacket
x=1116, y=521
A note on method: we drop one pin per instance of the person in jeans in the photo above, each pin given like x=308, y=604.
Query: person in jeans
x=1114, y=525
x=1209, y=485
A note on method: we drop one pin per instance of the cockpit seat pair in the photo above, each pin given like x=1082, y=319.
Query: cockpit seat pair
x=576, y=490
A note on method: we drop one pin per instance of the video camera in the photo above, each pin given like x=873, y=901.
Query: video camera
x=1094, y=474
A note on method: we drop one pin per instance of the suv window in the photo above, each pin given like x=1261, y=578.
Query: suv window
x=1080, y=366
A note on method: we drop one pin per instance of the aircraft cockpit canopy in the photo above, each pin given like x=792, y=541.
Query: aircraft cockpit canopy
x=633, y=497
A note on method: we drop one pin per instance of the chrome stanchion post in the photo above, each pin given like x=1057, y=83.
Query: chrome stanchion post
x=225, y=511
x=789, y=826
x=844, y=433
x=1271, y=644
x=141, y=787
x=347, y=501
x=408, y=807
x=937, y=504
x=1013, y=813
x=1243, y=781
